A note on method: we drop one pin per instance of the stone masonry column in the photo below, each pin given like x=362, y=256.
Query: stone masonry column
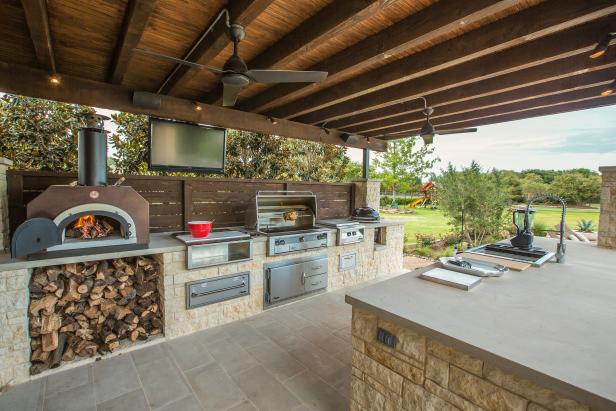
x=367, y=193
x=607, y=218
x=5, y=163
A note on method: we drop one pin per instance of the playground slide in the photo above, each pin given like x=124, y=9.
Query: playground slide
x=417, y=201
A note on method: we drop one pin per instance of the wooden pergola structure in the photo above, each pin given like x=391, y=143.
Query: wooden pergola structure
x=476, y=62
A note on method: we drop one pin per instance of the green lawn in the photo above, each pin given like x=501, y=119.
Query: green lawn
x=427, y=221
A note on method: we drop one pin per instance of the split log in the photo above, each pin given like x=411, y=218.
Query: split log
x=49, y=341
x=56, y=358
x=50, y=323
x=46, y=303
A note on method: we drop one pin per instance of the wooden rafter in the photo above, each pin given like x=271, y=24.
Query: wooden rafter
x=551, y=48
x=533, y=76
x=563, y=107
x=242, y=12
x=601, y=75
x=26, y=81
x=542, y=20
x=137, y=15
x=418, y=28
x=443, y=122
x=38, y=24
x=312, y=33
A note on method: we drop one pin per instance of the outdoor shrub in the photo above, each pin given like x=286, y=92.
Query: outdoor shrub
x=425, y=240
x=585, y=226
x=481, y=194
x=450, y=239
x=540, y=229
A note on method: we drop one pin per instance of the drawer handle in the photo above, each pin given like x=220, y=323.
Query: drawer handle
x=317, y=283
x=317, y=267
x=233, y=287
x=303, y=277
x=349, y=257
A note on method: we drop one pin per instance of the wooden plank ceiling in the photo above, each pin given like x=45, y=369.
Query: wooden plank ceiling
x=476, y=62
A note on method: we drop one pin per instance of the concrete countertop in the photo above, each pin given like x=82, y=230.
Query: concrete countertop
x=159, y=243
x=554, y=325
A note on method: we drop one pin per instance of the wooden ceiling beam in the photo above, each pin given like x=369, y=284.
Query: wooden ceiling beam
x=241, y=12
x=416, y=29
x=531, y=24
x=532, y=113
x=136, y=19
x=22, y=80
x=38, y=25
x=331, y=20
x=558, y=46
x=444, y=122
x=549, y=88
x=533, y=76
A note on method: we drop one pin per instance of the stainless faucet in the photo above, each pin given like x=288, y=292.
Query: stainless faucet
x=561, y=246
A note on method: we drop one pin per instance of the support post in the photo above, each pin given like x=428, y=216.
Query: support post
x=366, y=164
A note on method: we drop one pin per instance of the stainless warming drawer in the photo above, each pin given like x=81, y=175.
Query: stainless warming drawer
x=288, y=279
x=213, y=290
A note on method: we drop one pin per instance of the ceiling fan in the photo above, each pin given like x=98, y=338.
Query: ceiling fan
x=235, y=75
x=428, y=131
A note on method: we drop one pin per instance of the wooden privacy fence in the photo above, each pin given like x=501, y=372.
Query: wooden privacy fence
x=176, y=200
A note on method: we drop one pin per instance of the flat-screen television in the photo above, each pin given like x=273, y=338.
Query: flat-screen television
x=179, y=146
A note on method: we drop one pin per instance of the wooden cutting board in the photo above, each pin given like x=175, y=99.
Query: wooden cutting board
x=512, y=265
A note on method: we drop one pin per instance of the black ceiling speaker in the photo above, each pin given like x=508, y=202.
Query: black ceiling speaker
x=147, y=100
x=235, y=75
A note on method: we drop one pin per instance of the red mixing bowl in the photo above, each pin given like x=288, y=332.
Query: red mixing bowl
x=200, y=229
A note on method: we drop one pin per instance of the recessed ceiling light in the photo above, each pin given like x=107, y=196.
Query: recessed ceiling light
x=609, y=90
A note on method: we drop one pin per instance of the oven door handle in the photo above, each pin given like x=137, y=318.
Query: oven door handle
x=233, y=287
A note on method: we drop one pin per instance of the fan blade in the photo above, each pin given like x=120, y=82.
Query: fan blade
x=286, y=76
x=178, y=61
x=229, y=94
x=456, y=131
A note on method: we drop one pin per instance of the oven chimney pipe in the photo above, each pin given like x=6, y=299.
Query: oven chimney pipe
x=92, y=148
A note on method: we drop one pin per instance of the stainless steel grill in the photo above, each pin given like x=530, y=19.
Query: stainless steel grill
x=288, y=219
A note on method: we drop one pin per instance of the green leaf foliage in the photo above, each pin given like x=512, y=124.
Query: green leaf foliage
x=40, y=134
x=482, y=195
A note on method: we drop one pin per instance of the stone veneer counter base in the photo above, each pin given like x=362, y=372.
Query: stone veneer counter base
x=544, y=338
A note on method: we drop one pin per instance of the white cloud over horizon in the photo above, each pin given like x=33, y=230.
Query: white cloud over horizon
x=577, y=139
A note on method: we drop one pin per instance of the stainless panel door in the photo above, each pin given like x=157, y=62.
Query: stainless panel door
x=286, y=282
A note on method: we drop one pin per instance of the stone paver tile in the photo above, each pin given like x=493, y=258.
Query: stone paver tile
x=147, y=354
x=313, y=391
x=213, y=387
x=243, y=334
x=26, y=397
x=275, y=360
x=113, y=377
x=132, y=401
x=189, y=403
x=68, y=379
x=245, y=405
x=265, y=391
x=77, y=399
x=231, y=356
x=188, y=352
x=162, y=382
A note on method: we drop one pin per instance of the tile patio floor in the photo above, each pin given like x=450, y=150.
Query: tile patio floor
x=295, y=357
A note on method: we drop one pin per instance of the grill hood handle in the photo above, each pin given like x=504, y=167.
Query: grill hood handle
x=34, y=235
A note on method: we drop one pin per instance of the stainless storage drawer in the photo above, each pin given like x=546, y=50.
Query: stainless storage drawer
x=315, y=282
x=348, y=261
x=213, y=290
x=315, y=267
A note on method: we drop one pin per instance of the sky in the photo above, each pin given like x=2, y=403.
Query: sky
x=579, y=139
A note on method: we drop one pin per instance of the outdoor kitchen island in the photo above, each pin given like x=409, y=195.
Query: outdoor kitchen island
x=539, y=339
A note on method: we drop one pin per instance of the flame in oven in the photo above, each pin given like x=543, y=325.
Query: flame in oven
x=88, y=226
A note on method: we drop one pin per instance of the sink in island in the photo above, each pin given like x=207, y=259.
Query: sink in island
x=540, y=339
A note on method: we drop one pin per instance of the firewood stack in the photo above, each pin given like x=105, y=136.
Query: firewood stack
x=87, y=308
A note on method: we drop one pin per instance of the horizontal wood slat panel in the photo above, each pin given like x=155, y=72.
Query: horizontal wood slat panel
x=220, y=199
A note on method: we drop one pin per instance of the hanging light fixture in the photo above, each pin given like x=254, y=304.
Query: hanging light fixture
x=197, y=106
x=54, y=79
x=272, y=120
x=602, y=46
x=427, y=131
x=610, y=89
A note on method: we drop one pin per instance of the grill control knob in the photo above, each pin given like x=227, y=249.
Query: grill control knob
x=354, y=232
x=322, y=236
x=279, y=242
x=348, y=233
x=301, y=239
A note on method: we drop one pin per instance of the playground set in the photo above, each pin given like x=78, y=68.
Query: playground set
x=426, y=195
